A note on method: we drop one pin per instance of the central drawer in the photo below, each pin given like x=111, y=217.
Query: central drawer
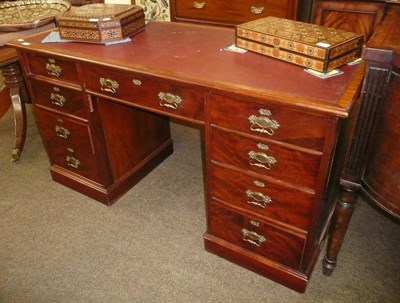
x=142, y=91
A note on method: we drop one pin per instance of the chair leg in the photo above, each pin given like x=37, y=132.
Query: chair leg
x=340, y=221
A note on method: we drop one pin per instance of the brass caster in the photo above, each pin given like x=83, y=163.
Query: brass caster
x=15, y=155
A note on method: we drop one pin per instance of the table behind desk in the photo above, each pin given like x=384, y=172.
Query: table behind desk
x=14, y=93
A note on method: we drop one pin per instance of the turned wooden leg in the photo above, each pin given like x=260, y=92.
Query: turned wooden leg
x=18, y=95
x=340, y=221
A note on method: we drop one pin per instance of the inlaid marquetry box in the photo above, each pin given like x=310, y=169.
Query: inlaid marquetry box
x=101, y=23
x=313, y=46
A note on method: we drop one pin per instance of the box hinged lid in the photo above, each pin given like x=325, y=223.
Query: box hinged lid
x=284, y=39
x=101, y=22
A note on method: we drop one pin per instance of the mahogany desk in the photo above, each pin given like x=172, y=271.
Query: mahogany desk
x=271, y=133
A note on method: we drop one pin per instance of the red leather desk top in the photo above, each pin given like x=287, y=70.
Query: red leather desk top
x=194, y=54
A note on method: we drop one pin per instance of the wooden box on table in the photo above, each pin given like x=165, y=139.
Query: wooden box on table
x=101, y=23
x=313, y=46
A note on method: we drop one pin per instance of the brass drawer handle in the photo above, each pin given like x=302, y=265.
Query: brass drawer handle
x=62, y=132
x=52, y=69
x=170, y=100
x=263, y=124
x=108, y=85
x=257, y=10
x=259, y=199
x=58, y=99
x=261, y=160
x=136, y=82
x=252, y=237
x=73, y=162
x=199, y=5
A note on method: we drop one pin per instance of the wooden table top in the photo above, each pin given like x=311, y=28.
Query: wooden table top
x=8, y=55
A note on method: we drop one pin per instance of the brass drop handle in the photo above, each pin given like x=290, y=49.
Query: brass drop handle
x=259, y=199
x=58, y=99
x=52, y=69
x=199, y=5
x=261, y=160
x=62, y=132
x=73, y=162
x=252, y=237
x=257, y=10
x=170, y=100
x=263, y=124
x=108, y=85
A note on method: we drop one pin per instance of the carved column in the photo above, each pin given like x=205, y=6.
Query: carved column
x=372, y=95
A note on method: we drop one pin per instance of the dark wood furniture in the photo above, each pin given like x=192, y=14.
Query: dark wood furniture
x=229, y=13
x=373, y=164
x=271, y=133
x=84, y=2
x=14, y=94
x=361, y=16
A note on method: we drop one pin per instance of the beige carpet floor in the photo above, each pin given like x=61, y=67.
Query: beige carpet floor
x=59, y=246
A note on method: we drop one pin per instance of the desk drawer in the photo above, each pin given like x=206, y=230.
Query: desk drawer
x=271, y=121
x=255, y=235
x=145, y=92
x=69, y=144
x=266, y=158
x=52, y=67
x=255, y=194
x=58, y=98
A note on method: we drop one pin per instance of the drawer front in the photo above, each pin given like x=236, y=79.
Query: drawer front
x=256, y=236
x=233, y=11
x=266, y=158
x=58, y=98
x=68, y=144
x=52, y=67
x=271, y=121
x=143, y=91
x=255, y=194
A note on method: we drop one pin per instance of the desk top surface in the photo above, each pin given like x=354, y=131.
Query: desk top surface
x=195, y=54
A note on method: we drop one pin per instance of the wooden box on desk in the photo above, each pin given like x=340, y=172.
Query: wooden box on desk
x=313, y=46
x=101, y=23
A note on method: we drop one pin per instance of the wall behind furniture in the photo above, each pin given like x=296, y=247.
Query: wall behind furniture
x=153, y=9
